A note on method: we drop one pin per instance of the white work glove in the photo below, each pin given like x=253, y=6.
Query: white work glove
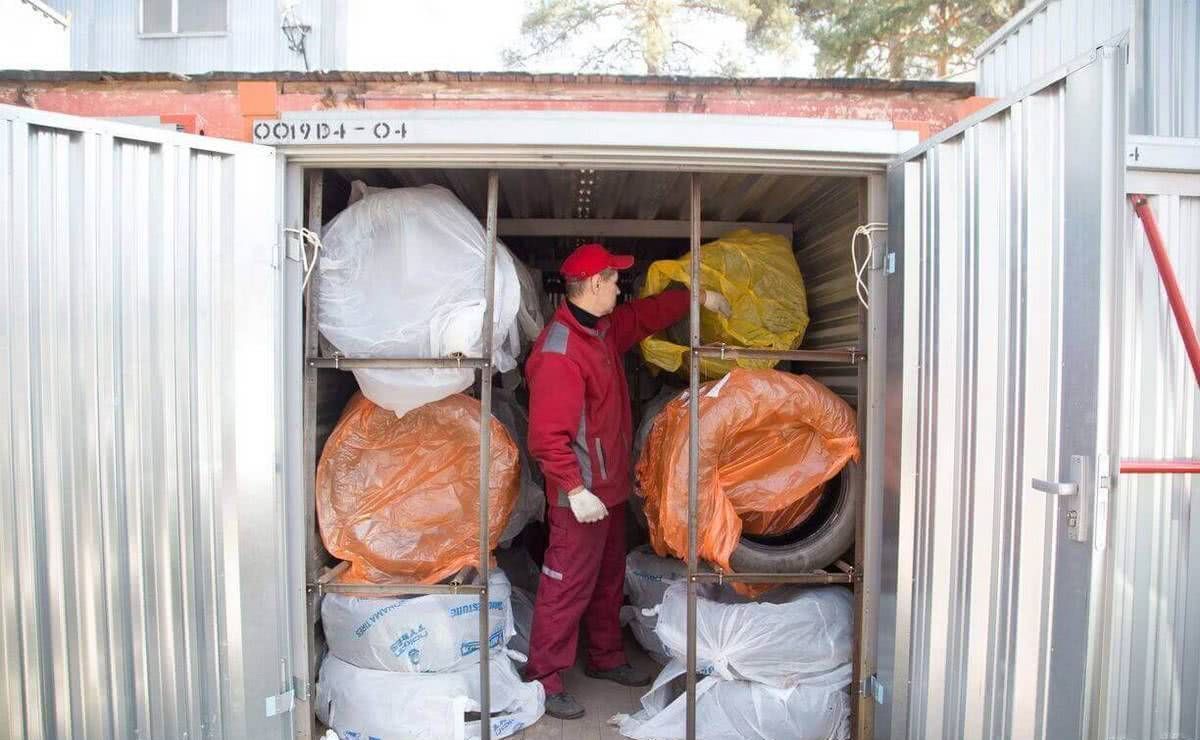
x=717, y=303
x=586, y=506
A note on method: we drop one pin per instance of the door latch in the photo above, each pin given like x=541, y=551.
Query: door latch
x=873, y=687
x=1074, y=493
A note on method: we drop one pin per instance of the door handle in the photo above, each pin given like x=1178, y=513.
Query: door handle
x=1055, y=488
x=1076, y=495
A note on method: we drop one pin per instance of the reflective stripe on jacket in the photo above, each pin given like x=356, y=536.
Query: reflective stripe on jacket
x=580, y=420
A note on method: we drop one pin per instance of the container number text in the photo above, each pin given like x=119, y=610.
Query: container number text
x=292, y=131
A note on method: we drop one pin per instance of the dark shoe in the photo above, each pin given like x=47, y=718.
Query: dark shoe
x=563, y=706
x=626, y=675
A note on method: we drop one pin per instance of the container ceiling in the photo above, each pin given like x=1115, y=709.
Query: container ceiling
x=609, y=194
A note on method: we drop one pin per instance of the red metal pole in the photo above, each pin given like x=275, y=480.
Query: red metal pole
x=1186, y=331
x=1170, y=284
x=1160, y=466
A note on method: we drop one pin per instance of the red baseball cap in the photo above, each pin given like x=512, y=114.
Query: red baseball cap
x=590, y=259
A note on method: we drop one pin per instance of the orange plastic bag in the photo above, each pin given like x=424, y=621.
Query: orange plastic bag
x=399, y=497
x=769, y=440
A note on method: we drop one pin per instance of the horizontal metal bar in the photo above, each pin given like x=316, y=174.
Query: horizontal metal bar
x=817, y=577
x=415, y=363
x=1160, y=466
x=610, y=228
x=397, y=589
x=327, y=583
x=847, y=356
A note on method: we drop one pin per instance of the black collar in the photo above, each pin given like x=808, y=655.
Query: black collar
x=583, y=317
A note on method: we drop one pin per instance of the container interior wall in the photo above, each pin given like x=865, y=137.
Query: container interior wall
x=1152, y=677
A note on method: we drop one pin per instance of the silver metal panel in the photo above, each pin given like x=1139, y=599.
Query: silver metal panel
x=1151, y=677
x=1166, y=93
x=139, y=497
x=105, y=36
x=1165, y=54
x=998, y=361
x=1046, y=34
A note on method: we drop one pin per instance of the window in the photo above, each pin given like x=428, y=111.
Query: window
x=173, y=17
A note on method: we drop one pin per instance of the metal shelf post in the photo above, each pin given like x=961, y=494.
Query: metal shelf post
x=485, y=463
x=693, y=455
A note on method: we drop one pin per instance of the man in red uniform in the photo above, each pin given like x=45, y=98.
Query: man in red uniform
x=581, y=433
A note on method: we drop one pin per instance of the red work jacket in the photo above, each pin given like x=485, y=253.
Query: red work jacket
x=580, y=420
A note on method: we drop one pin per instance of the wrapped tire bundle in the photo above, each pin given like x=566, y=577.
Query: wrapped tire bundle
x=758, y=273
x=769, y=441
x=774, y=668
x=744, y=710
x=647, y=577
x=416, y=634
x=401, y=274
x=398, y=497
x=431, y=706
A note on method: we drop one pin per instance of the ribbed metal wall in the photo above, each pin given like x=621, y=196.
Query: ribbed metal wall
x=1045, y=35
x=823, y=253
x=1152, y=677
x=139, y=500
x=1165, y=50
x=104, y=36
x=993, y=369
x=1166, y=94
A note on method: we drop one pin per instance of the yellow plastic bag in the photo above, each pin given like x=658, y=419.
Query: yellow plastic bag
x=758, y=274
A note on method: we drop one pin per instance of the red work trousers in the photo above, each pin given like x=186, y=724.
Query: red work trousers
x=583, y=577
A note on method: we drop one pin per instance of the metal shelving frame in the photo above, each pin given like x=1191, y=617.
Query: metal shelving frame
x=327, y=581
x=847, y=356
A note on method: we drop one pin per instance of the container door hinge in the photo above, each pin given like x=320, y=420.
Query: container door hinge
x=873, y=687
x=300, y=686
x=284, y=702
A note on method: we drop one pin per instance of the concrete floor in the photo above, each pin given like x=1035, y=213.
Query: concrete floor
x=601, y=699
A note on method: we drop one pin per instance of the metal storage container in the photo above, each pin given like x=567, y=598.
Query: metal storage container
x=158, y=439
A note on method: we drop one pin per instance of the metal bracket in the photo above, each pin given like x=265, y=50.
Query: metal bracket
x=284, y=702
x=281, y=703
x=300, y=686
x=873, y=687
x=1104, y=484
x=1076, y=494
x=889, y=263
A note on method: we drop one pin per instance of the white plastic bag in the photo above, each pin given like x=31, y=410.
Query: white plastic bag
x=429, y=706
x=817, y=709
x=401, y=275
x=647, y=577
x=790, y=635
x=416, y=634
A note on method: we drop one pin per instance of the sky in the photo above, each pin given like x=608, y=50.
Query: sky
x=470, y=35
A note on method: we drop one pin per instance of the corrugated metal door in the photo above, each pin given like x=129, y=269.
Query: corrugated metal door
x=1003, y=306
x=140, y=501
